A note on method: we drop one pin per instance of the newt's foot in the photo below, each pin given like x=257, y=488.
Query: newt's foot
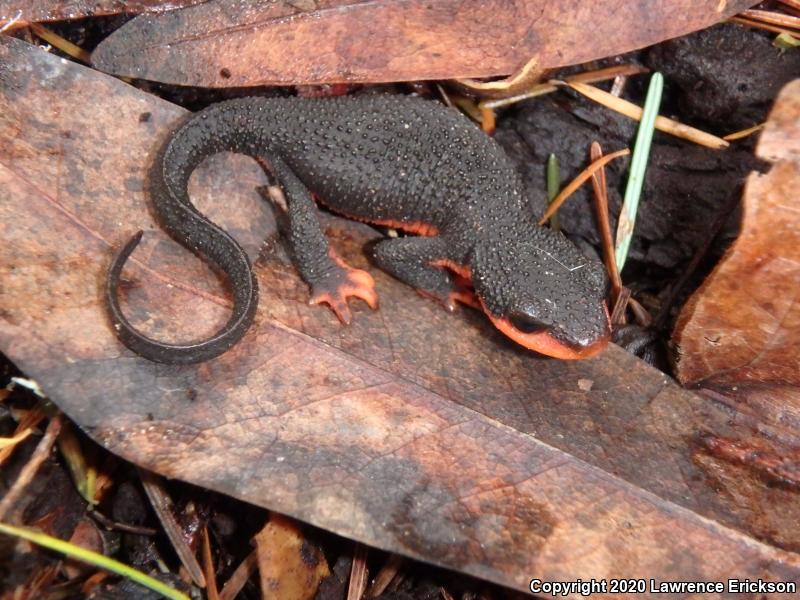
x=340, y=284
x=458, y=293
x=464, y=296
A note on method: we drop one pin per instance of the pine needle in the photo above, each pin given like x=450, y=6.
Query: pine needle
x=737, y=135
x=578, y=181
x=93, y=558
x=641, y=153
x=629, y=109
x=57, y=41
x=553, y=183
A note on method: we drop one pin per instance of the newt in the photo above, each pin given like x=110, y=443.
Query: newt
x=399, y=161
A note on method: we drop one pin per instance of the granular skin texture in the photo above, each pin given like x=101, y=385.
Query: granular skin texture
x=394, y=160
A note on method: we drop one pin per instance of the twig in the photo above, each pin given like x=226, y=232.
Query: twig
x=124, y=527
x=9, y=443
x=737, y=135
x=468, y=106
x=385, y=576
x=578, y=181
x=29, y=420
x=445, y=594
x=57, y=41
x=521, y=79
x=28, y=472
x=618, y=312
x=358, y=573
x=762, y=25
x=162, y=505
x=643, y=317
x=773, y=18
x=603, y=224
x=541, y=89
x=629, y=109
x=488, y=120
x=13, y=21
x=618, y=85
x=445, y=97
x=208, y=567
x=240, y=576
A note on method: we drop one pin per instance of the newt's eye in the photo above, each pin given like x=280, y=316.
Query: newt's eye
x=526, y=323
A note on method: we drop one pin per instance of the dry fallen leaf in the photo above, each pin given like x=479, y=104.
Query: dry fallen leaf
x=739, y=335
x=289, y=566
x=414, y=431
x=33, y=11
x=225, y=43
x=86, y=535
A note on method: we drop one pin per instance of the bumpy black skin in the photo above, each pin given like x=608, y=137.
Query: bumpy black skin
x=377, y=159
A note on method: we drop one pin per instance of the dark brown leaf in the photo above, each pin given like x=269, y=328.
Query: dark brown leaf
x=415, y=431
x=230, y=43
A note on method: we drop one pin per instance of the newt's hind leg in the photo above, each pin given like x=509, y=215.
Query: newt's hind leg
x=332, y=281
x=423, y=263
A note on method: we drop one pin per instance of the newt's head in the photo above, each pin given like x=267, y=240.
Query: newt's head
x=543, y=293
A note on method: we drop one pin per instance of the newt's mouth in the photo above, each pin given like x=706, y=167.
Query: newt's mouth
x=545, y=343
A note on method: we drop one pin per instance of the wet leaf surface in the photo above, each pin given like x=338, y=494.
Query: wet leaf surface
x=226, y=43
x=739, y=336
x=414, y=431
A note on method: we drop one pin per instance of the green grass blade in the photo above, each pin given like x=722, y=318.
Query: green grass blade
x=553, y=187
x=641, y=153
x=93, y=558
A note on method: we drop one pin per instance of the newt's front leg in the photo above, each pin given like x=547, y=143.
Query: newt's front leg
x=332, y=281
x=423, y=263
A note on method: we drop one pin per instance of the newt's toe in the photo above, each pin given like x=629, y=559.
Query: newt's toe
x=341, y=284
x=450, y=299
x=464, y=296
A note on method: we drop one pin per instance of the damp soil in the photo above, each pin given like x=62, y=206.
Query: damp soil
x=722, y=80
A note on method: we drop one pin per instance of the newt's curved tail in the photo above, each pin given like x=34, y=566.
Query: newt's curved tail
x=196, y=139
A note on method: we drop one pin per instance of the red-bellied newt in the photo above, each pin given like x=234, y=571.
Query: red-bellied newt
x=400, y=161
